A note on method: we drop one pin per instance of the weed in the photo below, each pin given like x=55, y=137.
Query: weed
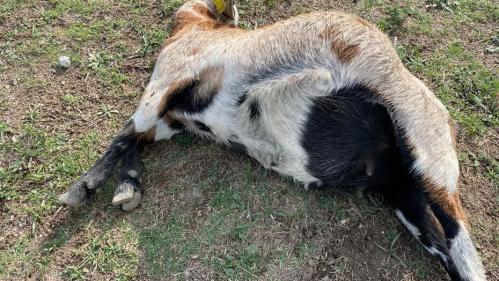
x=168, y=7
x=74, y=273
x=394, y=22
x=448, y=5
x=70, y=99
x=151, y=40
x=241, y=231
x=243, y=264
x=106, y=66
x=184, y=140
x=107, y=111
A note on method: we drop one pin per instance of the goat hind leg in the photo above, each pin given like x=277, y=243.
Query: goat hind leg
x=436, y=219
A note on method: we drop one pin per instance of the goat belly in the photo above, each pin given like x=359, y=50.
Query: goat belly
x=350, y=141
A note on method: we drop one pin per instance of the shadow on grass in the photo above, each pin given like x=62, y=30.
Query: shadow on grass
x=209, y=213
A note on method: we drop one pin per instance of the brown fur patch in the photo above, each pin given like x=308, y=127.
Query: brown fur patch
x=363, y=22
x=204, y=11
x=169, y=120
x=147, y=136
x=211, y=79
x=195, y=51
x=330, y=33
x=173, y=123
x=448, y=201
x=436, y=222
x=185, y=19
x=343, y=50
x=198, y=17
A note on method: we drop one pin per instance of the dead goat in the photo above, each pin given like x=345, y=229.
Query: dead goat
x=322, y=98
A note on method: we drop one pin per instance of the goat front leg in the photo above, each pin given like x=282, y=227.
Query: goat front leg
x=98, y=175
x=129, y=191
x=125, y=147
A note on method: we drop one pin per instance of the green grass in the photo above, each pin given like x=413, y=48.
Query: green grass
x=59, y=8
x=36, y=157
x=465, y=86
x=152, y=39
x=168, y=247
x=168, y=7
x=114, y=251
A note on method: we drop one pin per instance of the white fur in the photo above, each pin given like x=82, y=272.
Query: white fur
x=412, y=228
x=132, y=173
x=465, y=257
x=415, y=231
x=436, y=252
x=163, y=131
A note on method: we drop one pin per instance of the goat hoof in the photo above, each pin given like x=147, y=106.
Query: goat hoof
x=132, y=204
x=123, y=193
x=75, y=196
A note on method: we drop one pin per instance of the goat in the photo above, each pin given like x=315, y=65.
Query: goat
x=322, y=98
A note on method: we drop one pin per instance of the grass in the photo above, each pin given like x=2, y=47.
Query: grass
x=36, y=157
x=168, y=247
x=466, y=86
x=209, y=213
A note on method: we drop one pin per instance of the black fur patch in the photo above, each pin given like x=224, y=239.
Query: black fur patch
x=238, y=147
x=344, y=133
x=202, y=126
x=254, y=110
x=185, y=99
x=315, y=185
x=241, y=99
x=449, y=224
x=177, y=125
x=100, y=172
x=131, y=162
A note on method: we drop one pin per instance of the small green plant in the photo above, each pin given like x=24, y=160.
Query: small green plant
x=151, y=40
x=107, y=111
x=168, y=7
x=4, y=130
x=394, y=22
x=74, y=273
x=70, y=99
x=243, y=264
x=107, y=67
x=448, y=5
x=97, y=61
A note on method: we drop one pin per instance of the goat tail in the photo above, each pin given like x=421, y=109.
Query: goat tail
x=462, y=262
x=437, y=220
